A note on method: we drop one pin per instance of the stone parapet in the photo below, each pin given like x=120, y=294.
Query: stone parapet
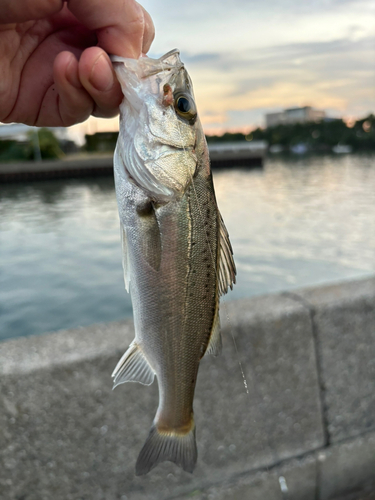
x=304, y=430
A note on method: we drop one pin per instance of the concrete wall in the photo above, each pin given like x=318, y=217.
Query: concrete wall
x=305, y=430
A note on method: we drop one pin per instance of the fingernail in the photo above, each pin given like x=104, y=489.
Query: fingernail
x=101, y=76
x=71, y=74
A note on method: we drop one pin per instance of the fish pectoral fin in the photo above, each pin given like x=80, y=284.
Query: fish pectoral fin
x=215, y=344
x=133, y=367
x=149, y=242
x=125, y=258
x=227, y=267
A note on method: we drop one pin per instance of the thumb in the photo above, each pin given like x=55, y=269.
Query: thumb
x=123, y=27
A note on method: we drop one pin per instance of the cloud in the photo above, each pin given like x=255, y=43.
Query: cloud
x=247, y=57
x=210, y=26
x=201, y=58
x=336, y=75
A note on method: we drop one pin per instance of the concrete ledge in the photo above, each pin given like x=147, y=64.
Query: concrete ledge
x=246, y=154
x=344, y=471
x=293, y=480
x=347, y=469
x=64, y=434
x=344, y=326
x=54, y=169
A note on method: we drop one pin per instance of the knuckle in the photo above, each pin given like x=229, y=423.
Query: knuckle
x=137, y=22
x=70, y=115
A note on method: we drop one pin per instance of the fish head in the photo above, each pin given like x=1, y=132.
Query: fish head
x=159, y=125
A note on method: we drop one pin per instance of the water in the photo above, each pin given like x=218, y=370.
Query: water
x=293, y=224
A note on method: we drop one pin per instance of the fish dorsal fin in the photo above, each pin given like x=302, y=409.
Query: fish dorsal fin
x=125, y=258
x=227, y=267
x=215, y=344
x=133, y=367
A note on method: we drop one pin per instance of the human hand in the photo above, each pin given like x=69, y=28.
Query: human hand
x=54, y=67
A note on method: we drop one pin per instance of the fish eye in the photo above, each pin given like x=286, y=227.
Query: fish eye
x=185, y=108
x=183, y=105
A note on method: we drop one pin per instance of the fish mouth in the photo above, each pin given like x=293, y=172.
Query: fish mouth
x=172, y=53
x=168, y=62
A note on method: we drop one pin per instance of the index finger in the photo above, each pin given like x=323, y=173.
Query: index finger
x=123, y=27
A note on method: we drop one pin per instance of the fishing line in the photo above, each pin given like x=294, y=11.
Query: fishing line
x=217, y=278
x=281, y=479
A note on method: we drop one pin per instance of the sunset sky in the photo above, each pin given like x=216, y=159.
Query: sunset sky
x=248, y=58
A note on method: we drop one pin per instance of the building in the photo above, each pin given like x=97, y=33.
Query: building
x=294, y=115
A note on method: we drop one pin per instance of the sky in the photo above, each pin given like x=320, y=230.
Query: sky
x=249, y=58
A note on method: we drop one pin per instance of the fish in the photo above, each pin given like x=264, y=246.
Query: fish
x=176, y=252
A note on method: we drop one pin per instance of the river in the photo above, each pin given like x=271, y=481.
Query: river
x=297, y=222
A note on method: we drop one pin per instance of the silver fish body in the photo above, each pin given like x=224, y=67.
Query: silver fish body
x=177, y=256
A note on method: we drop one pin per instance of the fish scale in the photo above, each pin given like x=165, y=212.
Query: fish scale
x=177, y=256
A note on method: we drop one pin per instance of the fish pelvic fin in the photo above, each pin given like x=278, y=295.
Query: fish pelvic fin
x=133, y=367
x=215, y=343
x=173, y=445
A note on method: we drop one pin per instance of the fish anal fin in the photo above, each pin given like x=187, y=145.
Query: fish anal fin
x=215, y=344
x=133, y=367
x=176, y=447
x=227, y=267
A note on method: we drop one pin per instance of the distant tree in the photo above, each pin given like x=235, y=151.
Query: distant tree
x=43, y=146
x=227, y=137
x=362, y=135
x=11, y=150
x=49, y=145
x=318, y=136
x=101, y=142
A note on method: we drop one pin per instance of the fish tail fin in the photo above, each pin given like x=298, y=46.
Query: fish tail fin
x=175, y=446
